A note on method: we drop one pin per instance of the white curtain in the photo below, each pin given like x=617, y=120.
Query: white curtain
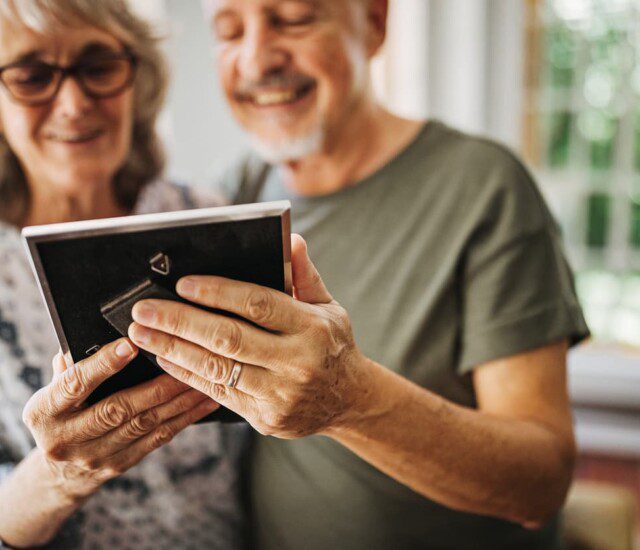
x=457, y=60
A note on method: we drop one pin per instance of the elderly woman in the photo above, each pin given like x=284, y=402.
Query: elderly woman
x=82, y=85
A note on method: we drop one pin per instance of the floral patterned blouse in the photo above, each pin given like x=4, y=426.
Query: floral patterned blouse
x=183, y=495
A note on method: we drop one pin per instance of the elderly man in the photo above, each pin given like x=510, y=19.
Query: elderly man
x=414, y=389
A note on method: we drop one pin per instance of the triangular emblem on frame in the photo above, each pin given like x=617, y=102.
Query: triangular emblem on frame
x=160, y=263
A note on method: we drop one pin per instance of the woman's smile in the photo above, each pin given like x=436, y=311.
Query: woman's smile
x=75, y=137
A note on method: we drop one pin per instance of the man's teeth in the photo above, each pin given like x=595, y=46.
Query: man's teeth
x=274, y=98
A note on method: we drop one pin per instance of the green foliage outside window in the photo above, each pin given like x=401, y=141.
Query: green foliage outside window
x=588, y=111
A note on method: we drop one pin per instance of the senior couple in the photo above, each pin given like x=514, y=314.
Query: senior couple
x=413, y=392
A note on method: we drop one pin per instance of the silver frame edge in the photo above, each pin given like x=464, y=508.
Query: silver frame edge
x=43, y=233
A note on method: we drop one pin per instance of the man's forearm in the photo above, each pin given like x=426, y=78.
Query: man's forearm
x=32, y=509
x=465, y=459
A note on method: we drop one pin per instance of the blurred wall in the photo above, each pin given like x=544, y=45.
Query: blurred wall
x=201, y=135
x=457, y=60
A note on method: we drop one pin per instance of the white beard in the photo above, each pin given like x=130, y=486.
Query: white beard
x=288, y=149
x=293, y=148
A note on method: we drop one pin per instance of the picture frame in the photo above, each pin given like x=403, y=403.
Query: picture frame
x=90, y=273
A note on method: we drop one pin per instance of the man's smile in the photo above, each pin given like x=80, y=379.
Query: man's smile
x=277, y=96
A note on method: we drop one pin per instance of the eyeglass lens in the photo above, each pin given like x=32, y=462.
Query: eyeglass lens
x=35, y=82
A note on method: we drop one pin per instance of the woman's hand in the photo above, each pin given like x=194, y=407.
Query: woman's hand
x=85, y=446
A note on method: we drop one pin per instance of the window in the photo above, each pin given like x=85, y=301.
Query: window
x=582, y=132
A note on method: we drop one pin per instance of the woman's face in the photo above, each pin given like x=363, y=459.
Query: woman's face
x=74, y=141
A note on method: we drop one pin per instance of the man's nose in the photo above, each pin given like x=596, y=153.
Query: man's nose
x=260, y=52
x=71, y=100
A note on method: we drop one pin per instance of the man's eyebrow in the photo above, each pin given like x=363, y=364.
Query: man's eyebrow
x=312, y=3
x=317, y=5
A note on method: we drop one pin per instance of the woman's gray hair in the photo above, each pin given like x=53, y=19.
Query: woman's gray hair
x=146, y=158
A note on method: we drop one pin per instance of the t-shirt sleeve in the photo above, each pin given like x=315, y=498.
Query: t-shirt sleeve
x=517, y=291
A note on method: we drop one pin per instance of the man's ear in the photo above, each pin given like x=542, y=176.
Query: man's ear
x=376, y=13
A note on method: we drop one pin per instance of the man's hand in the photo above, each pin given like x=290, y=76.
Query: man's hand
x=303, y=374
x=300, y=367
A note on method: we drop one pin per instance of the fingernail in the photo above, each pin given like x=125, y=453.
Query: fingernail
x=143, y=312
x=140, y=334
x=186, y=287
x=124, y=349
x=163, y=363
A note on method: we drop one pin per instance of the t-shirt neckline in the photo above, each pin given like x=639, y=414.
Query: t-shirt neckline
x=426, y=131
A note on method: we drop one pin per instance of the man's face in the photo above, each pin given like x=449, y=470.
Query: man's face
x=292, y=70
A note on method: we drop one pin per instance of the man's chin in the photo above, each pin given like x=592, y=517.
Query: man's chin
x=289, y=148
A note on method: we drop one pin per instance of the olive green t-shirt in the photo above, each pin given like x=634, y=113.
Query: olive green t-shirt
x=445, y=258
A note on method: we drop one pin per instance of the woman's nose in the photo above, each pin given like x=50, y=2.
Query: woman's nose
x=71, y=100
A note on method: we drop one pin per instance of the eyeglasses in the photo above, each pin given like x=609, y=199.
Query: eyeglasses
x=37, y=83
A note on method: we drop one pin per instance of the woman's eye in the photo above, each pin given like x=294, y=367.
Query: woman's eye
x=29, y=75
x=101, y=68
